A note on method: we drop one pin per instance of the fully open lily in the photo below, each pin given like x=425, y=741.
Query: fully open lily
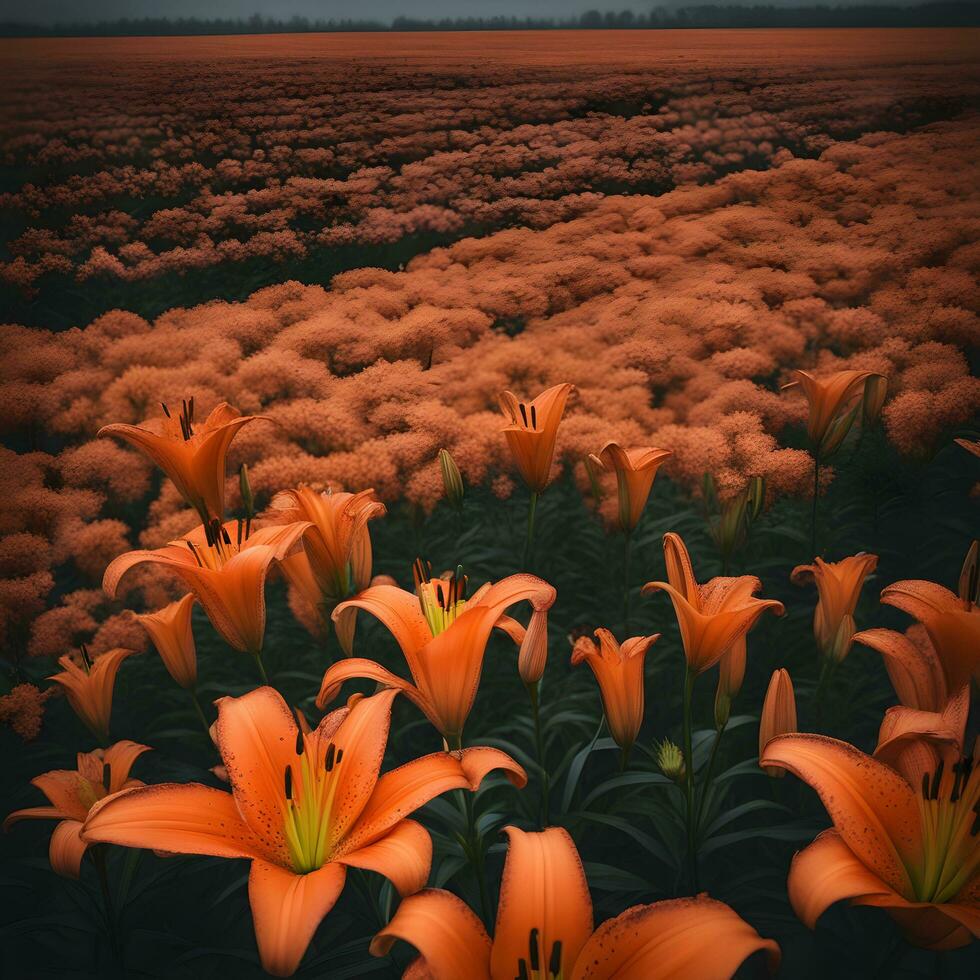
x=72, y=794
x=713, y=616
x=838, y=589
x=635, y=471
x=337, y=542
x=443, y=636
x=911, y=850
x=544, y=928
x=194, y=460
x=531, y=431
x=619, y=673
x=303, y=808
x=170, y=630
x=89, y=687
x=835, y=401
x=225, y=567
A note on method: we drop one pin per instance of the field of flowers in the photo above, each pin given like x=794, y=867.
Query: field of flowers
x=438, y=471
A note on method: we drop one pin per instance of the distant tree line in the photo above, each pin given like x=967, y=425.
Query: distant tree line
x=941, y=14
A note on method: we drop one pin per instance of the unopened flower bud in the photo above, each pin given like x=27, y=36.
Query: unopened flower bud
x=671, y=761
x=248, y=501
x=452, y=479
x=778, y=715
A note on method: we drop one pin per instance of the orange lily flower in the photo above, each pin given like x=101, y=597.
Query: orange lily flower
x=73, y=792
x=619, y=672
x=544, y=927
x=778, y=714
x=337, y=542
x=531, y=430
x=635, y=471
x=170, y=630
x=225, y=570
x=970, y=445
x=953, y=625
x=89, y=687
x=911, y=850
x=443, y=636
x=194, y=461
x=714, y=616
x=303, y=808
x=835, y=401
x=838, y=588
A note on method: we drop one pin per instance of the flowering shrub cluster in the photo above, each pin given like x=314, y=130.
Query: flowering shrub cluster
x=676, y=318
x=320, y=157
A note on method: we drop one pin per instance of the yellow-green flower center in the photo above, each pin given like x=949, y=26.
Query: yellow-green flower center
x=442, y=600
x=311, y=785
x=949, y=806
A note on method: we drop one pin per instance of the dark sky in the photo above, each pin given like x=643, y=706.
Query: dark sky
x=53, y=11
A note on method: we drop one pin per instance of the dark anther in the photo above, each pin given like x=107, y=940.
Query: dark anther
x=522, y=973
x=340, y=755
x=532, y=946
x=83, y=650
x=208, y=536
x=330, y=759
x=190, y=410
x=534, y=418
x=224, y=536
x=300, y=741
x=239, y=522
x=107, y=776
x=190, y=544
x=934, y=795
x=166, y=411
x=289, y=783
x=554, y=964
x=523, y=413
x=925, y=786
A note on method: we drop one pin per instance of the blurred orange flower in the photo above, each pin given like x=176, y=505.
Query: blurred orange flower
x=544, y=927
x=73, y=792
x=303, y=808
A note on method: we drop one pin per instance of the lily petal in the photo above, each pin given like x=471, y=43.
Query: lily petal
x=287, y=908
x=403, y=856
x=450, y=939
x=543, y=888
x=673, y=940
x=67, y=848
x=872, y=807
x=182, y=818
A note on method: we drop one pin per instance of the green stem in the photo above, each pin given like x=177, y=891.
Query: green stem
x=707, y=778
x=529, y=540
x=98, y=858
x=473, y=847
x=257, y=657
x=692, y=855
x=624, y=757
x=200, y=712
x=826, y=673
x=813, y=511
x=626, y=584
x=532, y=690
